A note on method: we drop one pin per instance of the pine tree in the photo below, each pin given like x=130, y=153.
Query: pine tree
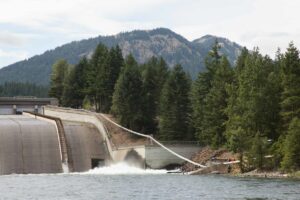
x=68, y=90
x=214, y=117
x=58, y=76
x=240, y=63
x=154, y=75
x=127, y=97
x=116, y=64
x=104, y=70
x=174, y=119
x=290, y=105
x=291, y=159
x=254, y=100
x=258, y=151
x=200, y=90
x=99, y=78
x=253, y=104
x=76, y=83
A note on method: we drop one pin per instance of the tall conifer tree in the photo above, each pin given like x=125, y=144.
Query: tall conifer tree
x=154, y=75
x=59, y=73
x=174, y=119
x=216, y=100
x=127, y=97
x=200, y=90
x=290, y=105
x=76, y=83
x=291, y=159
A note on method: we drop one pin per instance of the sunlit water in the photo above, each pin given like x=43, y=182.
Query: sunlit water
x=124, y=182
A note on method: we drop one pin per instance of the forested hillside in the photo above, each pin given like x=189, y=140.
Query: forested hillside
x=143, y=45
x=12, y=89
x=252, y=109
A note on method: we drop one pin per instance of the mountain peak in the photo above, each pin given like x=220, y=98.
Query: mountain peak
x=142, y=44
x=160, y=30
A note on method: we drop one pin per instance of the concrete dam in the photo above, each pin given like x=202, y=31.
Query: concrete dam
x=30, y=145
x=68, y=140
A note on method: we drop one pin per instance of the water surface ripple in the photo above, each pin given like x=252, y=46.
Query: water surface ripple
x=83, y=186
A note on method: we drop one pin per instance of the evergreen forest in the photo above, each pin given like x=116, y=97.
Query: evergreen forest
x=12, y=89
x=251, y=108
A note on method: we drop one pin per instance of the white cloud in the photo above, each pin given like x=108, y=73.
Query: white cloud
x=68, y=15
x=7, y=57
x=11, y=39
x=13, y=54
x=268, y=24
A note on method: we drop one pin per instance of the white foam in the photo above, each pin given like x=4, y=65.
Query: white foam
x=65, y=167
x=123, y=169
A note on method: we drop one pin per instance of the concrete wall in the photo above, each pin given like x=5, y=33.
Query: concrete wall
x=28, y=145
x=86, y=143
x=6, y=110
x=116, y=155
x=152, y=156
x=133, y=155
x=79, y=116
x=12, y=109
x=157, y=157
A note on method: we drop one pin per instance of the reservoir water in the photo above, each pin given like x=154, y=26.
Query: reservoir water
x=124, y=182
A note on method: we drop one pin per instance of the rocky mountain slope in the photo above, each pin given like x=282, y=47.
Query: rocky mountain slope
x=142, y=44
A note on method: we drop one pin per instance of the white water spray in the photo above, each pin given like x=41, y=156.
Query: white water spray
x=65, y=167
x=123, y=169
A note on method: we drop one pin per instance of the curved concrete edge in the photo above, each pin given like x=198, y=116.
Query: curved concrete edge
x=65, y=152
x=86, y=145
x=82, y=116
x=153, y=156
x=28, y=146
x=49, y=121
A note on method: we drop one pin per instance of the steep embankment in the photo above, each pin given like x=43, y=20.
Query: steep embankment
x=212, y=158
x=120, y=138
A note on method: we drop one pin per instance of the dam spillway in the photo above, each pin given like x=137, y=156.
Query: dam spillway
x=28, y=145
x=87, y=146
x=31, y=145
x=70, y=140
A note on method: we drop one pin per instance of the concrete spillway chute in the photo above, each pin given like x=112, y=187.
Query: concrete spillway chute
x=28, y=145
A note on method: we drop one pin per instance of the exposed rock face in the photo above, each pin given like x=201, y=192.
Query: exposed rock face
x=174, y=48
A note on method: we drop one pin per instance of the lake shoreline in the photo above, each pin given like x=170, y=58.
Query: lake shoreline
x=268, y=174
x=218, y=169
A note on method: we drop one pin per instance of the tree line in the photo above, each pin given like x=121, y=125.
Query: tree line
x=11, y=89
x=252, y=108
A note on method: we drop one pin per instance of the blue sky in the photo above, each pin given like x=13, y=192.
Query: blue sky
x=31, y=27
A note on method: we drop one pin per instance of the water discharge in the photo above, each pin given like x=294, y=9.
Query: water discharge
x=123, y=169
x=65, y=167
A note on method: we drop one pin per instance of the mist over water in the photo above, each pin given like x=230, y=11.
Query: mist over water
x=123, y=169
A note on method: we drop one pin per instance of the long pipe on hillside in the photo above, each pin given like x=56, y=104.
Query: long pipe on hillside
x=154, y=140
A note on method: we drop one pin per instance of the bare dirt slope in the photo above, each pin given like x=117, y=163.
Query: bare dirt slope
x=120, y=137
x=208, y=155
